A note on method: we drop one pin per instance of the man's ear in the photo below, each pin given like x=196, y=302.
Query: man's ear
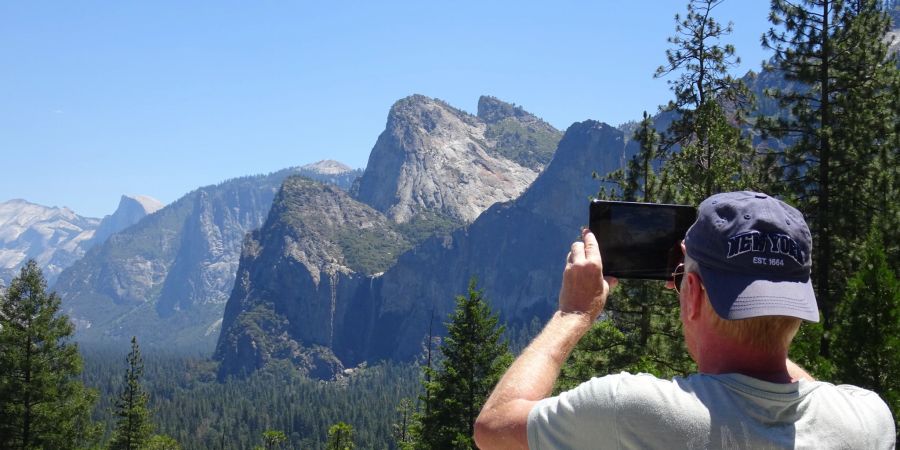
x=693, y=295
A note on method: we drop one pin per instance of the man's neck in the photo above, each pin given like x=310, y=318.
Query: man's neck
x=726, y=357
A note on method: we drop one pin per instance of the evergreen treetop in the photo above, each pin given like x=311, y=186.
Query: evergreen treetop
x=43, y=403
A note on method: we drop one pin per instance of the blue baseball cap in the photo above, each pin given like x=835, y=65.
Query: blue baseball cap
x=754, y=253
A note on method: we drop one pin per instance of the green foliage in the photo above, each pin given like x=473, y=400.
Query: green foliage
x=426, y=224
x=722, y=161
x=43, y=404
x=272, y=439
x=370, y=250
x=866, y=334
x=639, y=333
x=161, y=442
x=529, y=145
x=641, y=328
x=340, y=437
x=475, y=358
x=841, y=113
x=702, y=65
x=400, y=430
x=191, y=406
x=133, y=427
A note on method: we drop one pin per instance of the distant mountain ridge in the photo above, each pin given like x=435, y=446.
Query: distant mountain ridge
x=167, y=278
x=131, y=209
x=57, y=237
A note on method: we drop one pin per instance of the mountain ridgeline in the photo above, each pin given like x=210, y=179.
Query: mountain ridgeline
x=167, y=279
x=57, y=237
x=300, y=295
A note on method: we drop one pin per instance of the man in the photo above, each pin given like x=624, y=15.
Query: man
x=743, y=290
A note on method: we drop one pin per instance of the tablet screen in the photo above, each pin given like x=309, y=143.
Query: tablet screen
x=640, y=240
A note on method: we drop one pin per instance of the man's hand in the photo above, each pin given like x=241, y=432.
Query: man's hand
x=584, y=290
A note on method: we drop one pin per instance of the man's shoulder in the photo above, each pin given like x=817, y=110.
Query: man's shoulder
x=850, y=397
x=645, y=391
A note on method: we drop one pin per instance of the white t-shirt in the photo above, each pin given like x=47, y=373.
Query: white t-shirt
x=730, y=411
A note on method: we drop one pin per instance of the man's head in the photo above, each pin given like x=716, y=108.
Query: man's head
x=754, y=255
x=750, y=256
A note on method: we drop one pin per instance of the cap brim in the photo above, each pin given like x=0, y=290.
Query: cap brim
x=736, y=296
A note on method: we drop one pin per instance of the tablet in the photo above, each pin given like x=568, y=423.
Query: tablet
x=640, y=240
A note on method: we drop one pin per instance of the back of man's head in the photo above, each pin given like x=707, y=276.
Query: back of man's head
x=766, y=334
x=753, y=254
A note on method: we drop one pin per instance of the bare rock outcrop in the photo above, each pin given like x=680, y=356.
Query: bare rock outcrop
x=434, y=158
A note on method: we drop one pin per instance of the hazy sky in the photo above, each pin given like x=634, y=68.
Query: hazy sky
x=99, y=99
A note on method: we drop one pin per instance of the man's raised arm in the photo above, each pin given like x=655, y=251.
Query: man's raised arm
x=502, y=423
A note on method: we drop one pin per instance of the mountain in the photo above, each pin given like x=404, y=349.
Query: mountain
x=436, y=160
x=57, y=237
x=331, y=172
x=316, y=249
x=281, y=309
x=131, y=209
x=53, y=237
x=167, y=278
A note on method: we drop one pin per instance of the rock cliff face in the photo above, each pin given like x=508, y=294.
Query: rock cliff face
x=323, y=314
x=516, y=249
x=167, y=278
x=298, y=278
x=433, y=158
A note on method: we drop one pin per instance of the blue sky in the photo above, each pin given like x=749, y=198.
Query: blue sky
x=99, y=99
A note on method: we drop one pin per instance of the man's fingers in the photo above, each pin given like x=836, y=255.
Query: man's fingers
x=612, y=282
x=591, y=246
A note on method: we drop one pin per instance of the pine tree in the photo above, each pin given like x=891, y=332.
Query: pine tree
x=43, y=404
x=400, y=430
x=133, y=427
x=841, y=120
x=866, y=335
x=702, y=63
x=340, y=437
x=272, y=439
x=709, y=107
x=474, y=359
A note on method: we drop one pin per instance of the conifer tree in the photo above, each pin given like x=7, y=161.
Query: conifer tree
x=340, y=437
x=272, y=439
x=133, y=427
x=43, y=404
x=400, y=430
x=474, y=359
x=709, y=107
x=866, y=335
x=702, y=63
x=841, y=115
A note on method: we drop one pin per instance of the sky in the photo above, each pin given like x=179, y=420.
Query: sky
x=100, y=99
